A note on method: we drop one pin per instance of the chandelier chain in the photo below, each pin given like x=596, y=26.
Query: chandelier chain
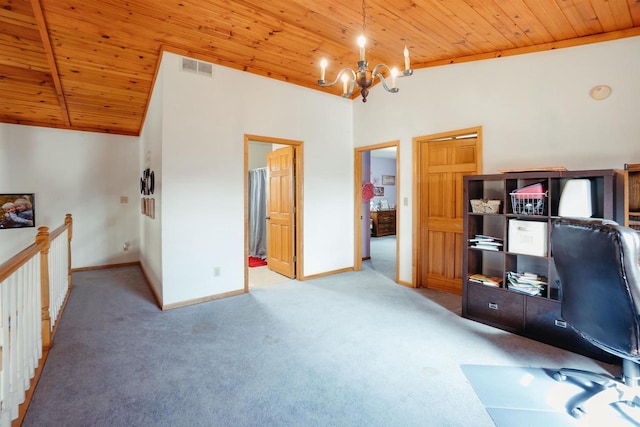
x=364, y=26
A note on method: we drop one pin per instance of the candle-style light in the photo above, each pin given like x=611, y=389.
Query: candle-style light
x=362, y=42
x=323, y=66
x=362, y=77
x=407, y=62
x=394, y=76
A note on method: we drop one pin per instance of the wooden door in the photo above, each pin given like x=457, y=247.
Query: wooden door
x=443, y=165
x=281, y=212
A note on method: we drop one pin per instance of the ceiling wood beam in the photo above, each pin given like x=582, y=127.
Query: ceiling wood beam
x=46, y=44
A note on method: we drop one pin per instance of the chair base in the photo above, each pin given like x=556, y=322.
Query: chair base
x=625, y=389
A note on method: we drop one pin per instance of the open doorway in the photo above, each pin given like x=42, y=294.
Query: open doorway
x=376, y=206
x=273, y=210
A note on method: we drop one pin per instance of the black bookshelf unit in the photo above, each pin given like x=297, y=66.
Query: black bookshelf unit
x=521, y=227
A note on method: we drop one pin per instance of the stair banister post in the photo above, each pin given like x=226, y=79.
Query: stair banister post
x=69, y=220
x=43, y=238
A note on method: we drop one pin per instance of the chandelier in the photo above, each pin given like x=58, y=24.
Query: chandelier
x=363, y=77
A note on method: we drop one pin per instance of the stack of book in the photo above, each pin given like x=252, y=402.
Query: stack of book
x=485, y=280
x=490, y=243
x=528, y=283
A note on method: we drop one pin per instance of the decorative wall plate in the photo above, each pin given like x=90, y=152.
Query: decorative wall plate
x=152, y=182
x=600, y=92
x=147, y=182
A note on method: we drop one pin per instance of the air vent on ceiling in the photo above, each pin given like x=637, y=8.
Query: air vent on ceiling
x=197, y=67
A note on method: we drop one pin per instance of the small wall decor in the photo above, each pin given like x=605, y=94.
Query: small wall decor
x=378, y=191
x=388, y=180
x=600, y=92
x=147, y=182
x=152, y=208
x=148, y=207
x=17, y=210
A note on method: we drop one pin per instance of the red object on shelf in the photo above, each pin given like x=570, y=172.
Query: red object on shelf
x=530, y=191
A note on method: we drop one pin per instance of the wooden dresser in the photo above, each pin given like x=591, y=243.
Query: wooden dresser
x=384, y=223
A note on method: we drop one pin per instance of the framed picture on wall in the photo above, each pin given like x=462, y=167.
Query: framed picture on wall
x=17, y=210
x=152, y=208
x=388, y=180
x=378, y=191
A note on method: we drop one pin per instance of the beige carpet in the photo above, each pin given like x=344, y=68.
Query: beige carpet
x=262, y=276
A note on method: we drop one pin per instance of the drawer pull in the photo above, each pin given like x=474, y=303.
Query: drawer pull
x=560, y=323
x=493, y=306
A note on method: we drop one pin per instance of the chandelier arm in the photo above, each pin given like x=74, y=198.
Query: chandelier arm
x=376, y=73
x=351, y=84
x=324, y=82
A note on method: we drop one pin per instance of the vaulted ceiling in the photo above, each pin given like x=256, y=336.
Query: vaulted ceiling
x=90, y=64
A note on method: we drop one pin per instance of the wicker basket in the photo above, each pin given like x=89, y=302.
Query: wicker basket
x=485, y=206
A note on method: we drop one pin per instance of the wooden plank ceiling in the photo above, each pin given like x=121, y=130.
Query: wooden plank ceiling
x=90, y=64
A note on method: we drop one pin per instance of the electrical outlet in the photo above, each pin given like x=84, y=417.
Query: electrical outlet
x=216, y=271
x=124, y=199
x=125, y=247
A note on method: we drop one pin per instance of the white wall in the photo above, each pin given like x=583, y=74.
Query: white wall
x=258, y=154
x=204, y=123
x=535, y=110
x=80, y=173
x=151, y=157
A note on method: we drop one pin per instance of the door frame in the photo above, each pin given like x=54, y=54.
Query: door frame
x=299, y=205
x=417, y=171
x=357, y=191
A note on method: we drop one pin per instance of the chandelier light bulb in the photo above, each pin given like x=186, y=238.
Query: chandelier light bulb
x=323, y=67
x=362, y=42
x=394, y=75
x=407, y=63
x=345, y=81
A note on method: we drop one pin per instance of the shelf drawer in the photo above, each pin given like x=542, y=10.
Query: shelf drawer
x=495, y=306
x=543, y=322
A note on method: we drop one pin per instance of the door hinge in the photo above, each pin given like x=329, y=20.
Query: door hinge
x=294, y=258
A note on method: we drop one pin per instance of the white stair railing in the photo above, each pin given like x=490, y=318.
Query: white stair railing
x=27, y=283
x=59, y=269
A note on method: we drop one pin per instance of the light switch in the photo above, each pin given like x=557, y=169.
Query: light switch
x=405, y=201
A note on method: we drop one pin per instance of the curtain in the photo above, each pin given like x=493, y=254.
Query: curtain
x=258, y=213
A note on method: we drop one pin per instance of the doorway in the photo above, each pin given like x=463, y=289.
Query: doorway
x=440, y=163
x=273, y=230
x=377, y=195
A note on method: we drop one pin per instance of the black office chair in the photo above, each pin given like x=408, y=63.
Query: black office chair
x=597, y=263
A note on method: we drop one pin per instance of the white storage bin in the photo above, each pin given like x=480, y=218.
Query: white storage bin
x=528, y=237
x=575, y=200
